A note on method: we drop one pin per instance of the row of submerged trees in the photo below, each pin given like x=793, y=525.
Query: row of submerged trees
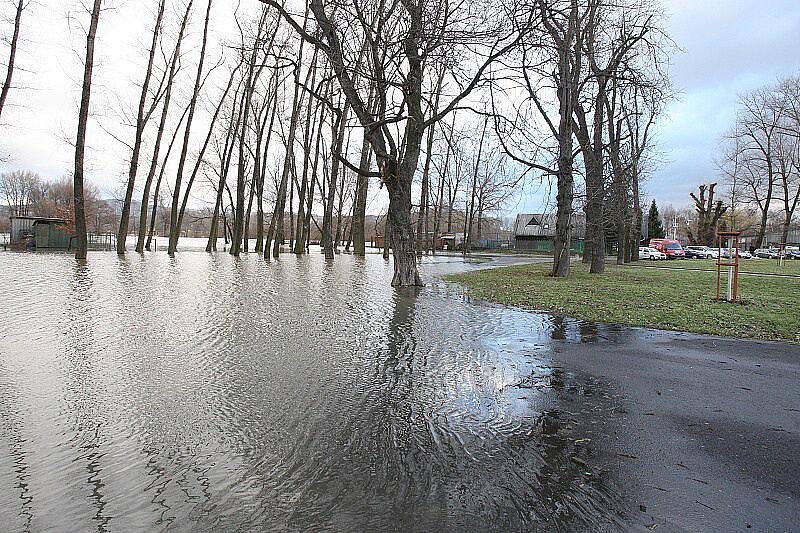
x=429, y=99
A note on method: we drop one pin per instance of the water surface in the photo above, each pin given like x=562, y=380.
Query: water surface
x=206, y=392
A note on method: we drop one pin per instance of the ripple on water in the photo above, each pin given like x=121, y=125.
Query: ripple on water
x=206, y=392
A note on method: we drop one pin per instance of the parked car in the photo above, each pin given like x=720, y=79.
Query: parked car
x=730, y=253
x=794, y=254
x=766, y=253
x=672, y=249
x=651, y=253
x=701, y=252
x=695, y=252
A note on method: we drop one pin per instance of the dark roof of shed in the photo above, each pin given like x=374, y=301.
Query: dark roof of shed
x=40, y=219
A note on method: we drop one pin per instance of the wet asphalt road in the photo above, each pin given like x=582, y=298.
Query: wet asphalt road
x=697, y=433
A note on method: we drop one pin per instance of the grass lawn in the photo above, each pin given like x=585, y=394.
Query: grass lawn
x=759, y=266
x=670, y=299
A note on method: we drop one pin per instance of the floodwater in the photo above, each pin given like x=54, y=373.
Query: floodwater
x=206, y=393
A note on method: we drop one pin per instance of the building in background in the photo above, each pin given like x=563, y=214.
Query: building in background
x=40, y=233
x=536, y=232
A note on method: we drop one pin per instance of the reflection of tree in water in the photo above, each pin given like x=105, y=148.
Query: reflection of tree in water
x=401, y=343
x=89, y=417
x=436, y=467
x=13, y=428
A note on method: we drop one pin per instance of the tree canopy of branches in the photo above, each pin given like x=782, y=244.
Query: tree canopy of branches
x=761, y=155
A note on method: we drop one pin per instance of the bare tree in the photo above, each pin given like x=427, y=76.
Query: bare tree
x=141, y=121
x=20, y=189
x=170, y=81
x=789, y=150
x=404, y=39
x=174, y=229
x=709, y=213
x=758, y=129
x=12, y=53
x=80, y=143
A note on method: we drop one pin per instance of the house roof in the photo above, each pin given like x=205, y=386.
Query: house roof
x=544, y=225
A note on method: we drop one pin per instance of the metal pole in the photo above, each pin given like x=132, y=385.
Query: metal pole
x=730, y=283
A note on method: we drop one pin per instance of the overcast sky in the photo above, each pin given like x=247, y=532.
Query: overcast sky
x=728, y=46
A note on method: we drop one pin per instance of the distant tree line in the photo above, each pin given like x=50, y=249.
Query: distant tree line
x=27, y=194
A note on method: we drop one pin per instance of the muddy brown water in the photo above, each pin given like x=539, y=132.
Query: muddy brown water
x=206, y=392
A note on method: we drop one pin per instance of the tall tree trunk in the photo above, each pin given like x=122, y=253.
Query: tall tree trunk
x=292, y=184
x=280, y=200
x=565, y=188
x=312, y=185
x=423, y=195
x=239, y=229
x=299, y=240
x=340, y=207
x=387, y=236
x=174, y=228
x=122, y=233
x=636, y=231
x=80, y=143
x=153, y=167
x=140, y=241
x=470, y=215
x=12, y=55
x=261, y=161
x=200, y=156
x=595, y=214
x=337, y=134
x=360, y=200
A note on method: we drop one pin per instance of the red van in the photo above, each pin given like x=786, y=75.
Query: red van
x=672, y=249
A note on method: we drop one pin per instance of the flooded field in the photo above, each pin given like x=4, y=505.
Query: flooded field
x=208, y=393
x=205, y=392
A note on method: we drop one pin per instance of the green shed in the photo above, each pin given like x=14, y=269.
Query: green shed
x=51, y=233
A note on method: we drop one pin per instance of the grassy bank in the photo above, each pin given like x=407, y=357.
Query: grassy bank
x=671, y=299
x=756, y=266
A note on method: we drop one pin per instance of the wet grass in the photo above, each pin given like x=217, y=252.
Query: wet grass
x=757, y=266
x=680, y=300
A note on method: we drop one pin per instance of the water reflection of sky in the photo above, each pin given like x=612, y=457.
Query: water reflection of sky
x=209, y=392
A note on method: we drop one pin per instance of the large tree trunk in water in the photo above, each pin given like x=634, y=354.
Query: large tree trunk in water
x=402, y=234
x=122, y=233
x=80, y=144
x=226, y=158
x=298, y=246
x=310, y=198
x=211, y=245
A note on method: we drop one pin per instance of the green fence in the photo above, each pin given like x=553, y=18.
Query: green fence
x=546, y=246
